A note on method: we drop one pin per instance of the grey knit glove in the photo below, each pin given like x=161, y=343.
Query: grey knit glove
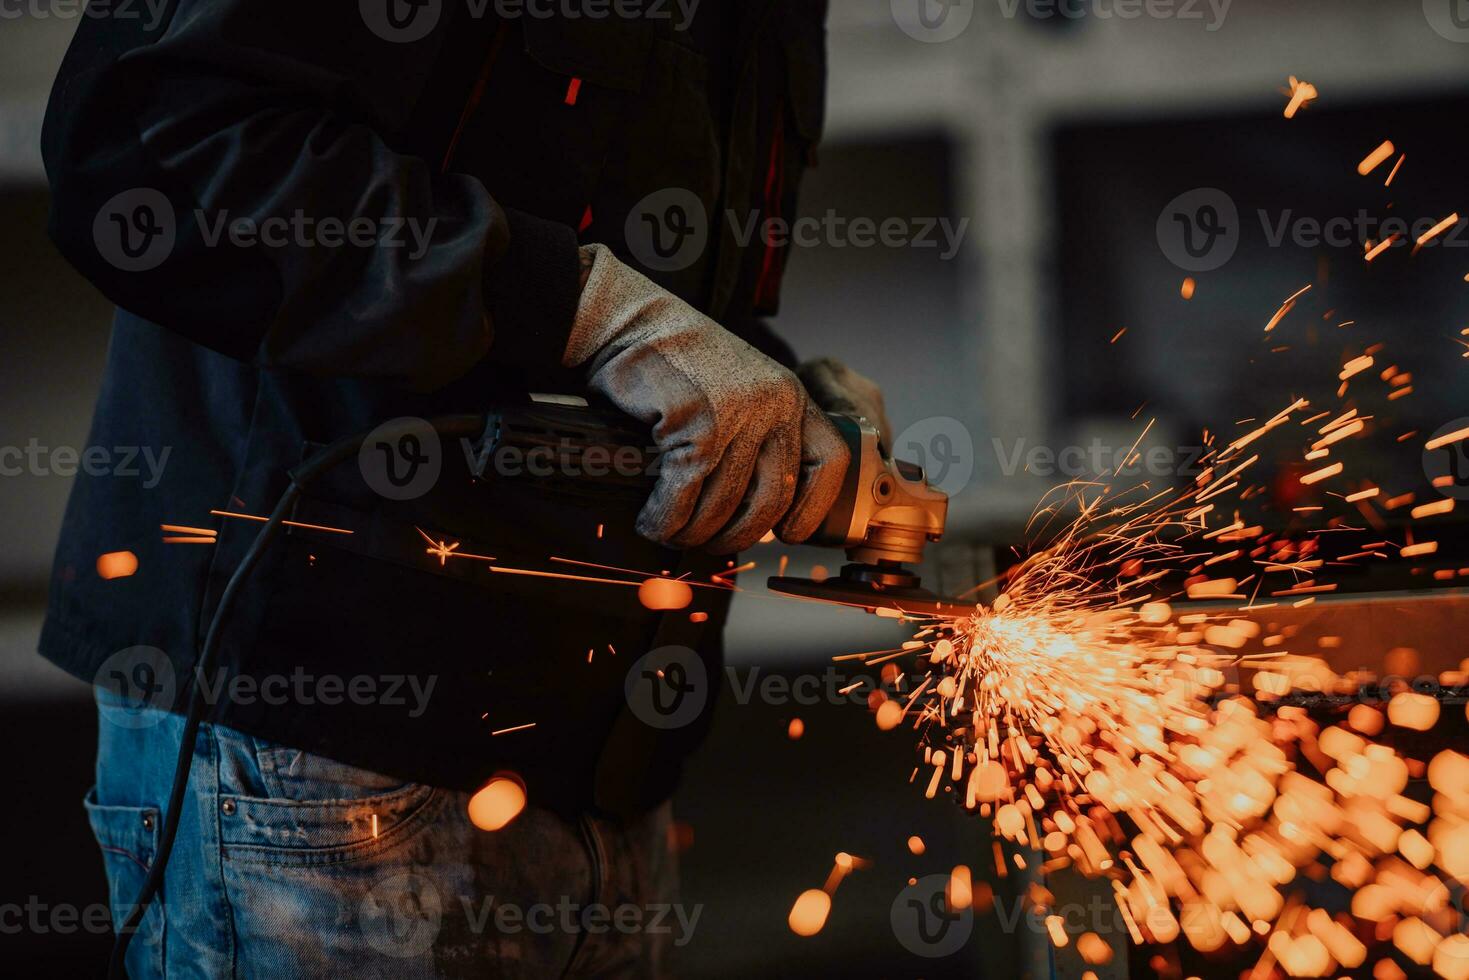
x=838, y=388
x=744, y=449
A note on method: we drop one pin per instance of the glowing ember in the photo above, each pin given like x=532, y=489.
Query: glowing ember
x=117, y=564
x=1371, y=161
x=665, y=593
x=499, y=802
x=809, y=913
x=1302, y=94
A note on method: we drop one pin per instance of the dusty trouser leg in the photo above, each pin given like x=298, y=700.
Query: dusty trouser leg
x=635, y=923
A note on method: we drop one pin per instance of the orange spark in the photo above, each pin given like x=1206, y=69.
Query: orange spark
x=1371, y=161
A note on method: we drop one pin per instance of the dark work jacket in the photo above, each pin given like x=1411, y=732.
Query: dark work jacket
x=517, y=137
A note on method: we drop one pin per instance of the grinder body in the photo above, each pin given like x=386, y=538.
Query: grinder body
x=883, y=517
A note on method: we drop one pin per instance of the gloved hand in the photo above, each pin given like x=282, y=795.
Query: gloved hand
x=744, y=448
x=837, y=388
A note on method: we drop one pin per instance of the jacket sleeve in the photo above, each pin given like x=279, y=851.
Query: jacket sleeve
x=224, y=172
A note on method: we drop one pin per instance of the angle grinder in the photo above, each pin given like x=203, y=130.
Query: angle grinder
x=884, y=516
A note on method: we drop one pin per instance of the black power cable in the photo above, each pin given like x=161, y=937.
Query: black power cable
x=301, y=476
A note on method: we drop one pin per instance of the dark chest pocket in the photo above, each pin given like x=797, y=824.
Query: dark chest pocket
x=662, y=186
x=552, y=106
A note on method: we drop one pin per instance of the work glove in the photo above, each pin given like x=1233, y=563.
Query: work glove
x=837, y=388
x=744, y=449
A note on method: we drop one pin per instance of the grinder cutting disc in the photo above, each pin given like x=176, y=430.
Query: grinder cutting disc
x=853, y=588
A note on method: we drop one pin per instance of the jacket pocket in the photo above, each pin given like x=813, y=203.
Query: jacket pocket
x=553, y=108
x=613, y=54
x=128, y=837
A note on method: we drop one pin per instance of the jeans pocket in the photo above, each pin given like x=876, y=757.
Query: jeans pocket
x=128, y=837
x=326, y=813
x=305, y=777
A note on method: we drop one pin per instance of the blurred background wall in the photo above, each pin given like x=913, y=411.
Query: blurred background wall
x=1049, y=144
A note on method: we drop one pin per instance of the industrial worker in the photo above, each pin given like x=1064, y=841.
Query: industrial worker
x=318, y=217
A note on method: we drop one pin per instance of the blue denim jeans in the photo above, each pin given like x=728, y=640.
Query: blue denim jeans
x=288, y=864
